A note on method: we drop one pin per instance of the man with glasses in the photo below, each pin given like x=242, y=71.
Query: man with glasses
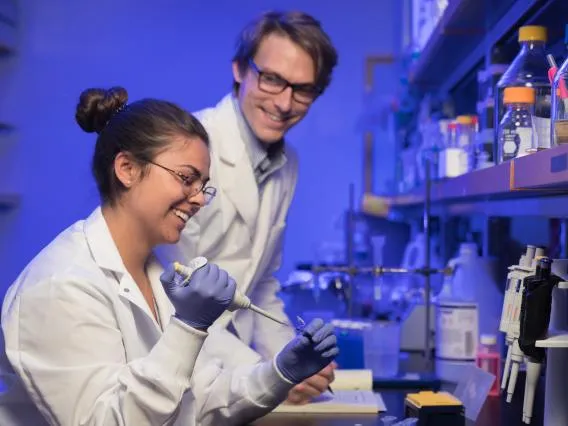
x=282, y=64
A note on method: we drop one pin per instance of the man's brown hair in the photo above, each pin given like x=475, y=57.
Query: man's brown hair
x=301, y=28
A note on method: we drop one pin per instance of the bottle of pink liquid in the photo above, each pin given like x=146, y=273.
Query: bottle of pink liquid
x=489, y=359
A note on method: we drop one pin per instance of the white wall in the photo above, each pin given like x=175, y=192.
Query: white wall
x=180, y=51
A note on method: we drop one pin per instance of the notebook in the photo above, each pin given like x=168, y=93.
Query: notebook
x=352, y=393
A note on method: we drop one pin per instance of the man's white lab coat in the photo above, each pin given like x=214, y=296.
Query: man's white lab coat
x=241, y=231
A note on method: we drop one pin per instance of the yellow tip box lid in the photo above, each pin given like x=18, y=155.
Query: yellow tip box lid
x=429, y=399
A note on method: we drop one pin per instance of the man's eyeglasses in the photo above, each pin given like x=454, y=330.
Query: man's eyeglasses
x=192, y=184
x=270, y=82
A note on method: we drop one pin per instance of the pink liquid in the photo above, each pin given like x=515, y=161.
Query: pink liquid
x=491, y=362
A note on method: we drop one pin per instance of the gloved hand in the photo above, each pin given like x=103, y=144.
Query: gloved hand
x=208, y=293
x=304, y=356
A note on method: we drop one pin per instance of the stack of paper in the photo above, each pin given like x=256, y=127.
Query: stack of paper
x=352, y=393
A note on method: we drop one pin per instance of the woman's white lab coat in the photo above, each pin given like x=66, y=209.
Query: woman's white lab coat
x=88, y=351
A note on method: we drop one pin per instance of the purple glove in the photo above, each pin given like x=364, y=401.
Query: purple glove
x=206, y=296
x=308, y=352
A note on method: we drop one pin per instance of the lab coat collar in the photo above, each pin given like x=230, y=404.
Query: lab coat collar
x=101, y=244
x=237, y=181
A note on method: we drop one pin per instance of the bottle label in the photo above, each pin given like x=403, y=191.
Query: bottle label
x=525, y=138
x=510, y=143
x=457, y=332
x=542, y=127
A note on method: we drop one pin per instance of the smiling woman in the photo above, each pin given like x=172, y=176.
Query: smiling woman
x=97, y=331
x=132, y=138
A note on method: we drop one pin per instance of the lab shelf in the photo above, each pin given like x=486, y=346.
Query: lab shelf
x=558, y=341
x=538, y=184
x=469, y=28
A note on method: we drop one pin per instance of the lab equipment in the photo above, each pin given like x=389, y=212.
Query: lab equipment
x=516, y=136
x=353, y=270
x=309, y=352
x=239, y=300
x=556, y=344
x=381, y=347
x=487, y=80
x=350, y=341
x=510, y=316
x=457, y=315
x=489, y=359
x=434, y=408
x=381, y=292
x=526, y=315
x=536, y=307
x=322, y=295
x=456, y=337
x=453, y=159
x=529, y=69
x=466, y=130
x=474, y=279
x=202, y=303
x=559, y=115
x=408, y=294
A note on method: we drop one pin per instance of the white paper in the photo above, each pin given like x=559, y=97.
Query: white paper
x=353, y=380
x=342, y=401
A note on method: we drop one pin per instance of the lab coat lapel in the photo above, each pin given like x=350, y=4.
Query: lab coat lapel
x=106, y=255
x=165, y=307
x=236, y=179
x=262, y=238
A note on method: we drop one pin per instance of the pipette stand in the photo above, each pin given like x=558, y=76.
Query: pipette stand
x=555, y=406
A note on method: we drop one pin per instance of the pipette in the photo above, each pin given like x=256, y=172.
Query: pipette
x=240, y=300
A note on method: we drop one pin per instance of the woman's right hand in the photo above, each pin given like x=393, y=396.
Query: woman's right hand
x=206, y=296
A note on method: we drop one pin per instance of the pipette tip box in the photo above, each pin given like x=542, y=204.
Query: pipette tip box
x=434, y=409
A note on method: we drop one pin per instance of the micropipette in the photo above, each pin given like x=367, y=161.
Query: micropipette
x=240, y=301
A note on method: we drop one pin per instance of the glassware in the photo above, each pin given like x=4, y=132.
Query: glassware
x=559, y=126
x=530, y=69
x=516, y=132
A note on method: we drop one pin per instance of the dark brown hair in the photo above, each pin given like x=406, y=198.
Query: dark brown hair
x=301, y=28
x=142, y=129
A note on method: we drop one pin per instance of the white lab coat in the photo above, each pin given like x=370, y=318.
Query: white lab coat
x=242, y=233
x=88, y=350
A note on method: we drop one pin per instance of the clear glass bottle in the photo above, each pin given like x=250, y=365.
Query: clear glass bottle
x=466, y=131
x=530, y=69
x=453, y=159
x=515, y=132
x=559, y=116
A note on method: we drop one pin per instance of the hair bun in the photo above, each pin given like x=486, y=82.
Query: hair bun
x=96, y=107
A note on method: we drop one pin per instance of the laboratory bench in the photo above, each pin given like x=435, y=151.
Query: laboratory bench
x=495, y=412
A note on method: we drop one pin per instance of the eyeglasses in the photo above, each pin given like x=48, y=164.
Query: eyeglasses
x=192, y=184
x=270, y=82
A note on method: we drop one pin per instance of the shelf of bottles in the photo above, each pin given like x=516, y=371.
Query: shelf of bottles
x=514, y=145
